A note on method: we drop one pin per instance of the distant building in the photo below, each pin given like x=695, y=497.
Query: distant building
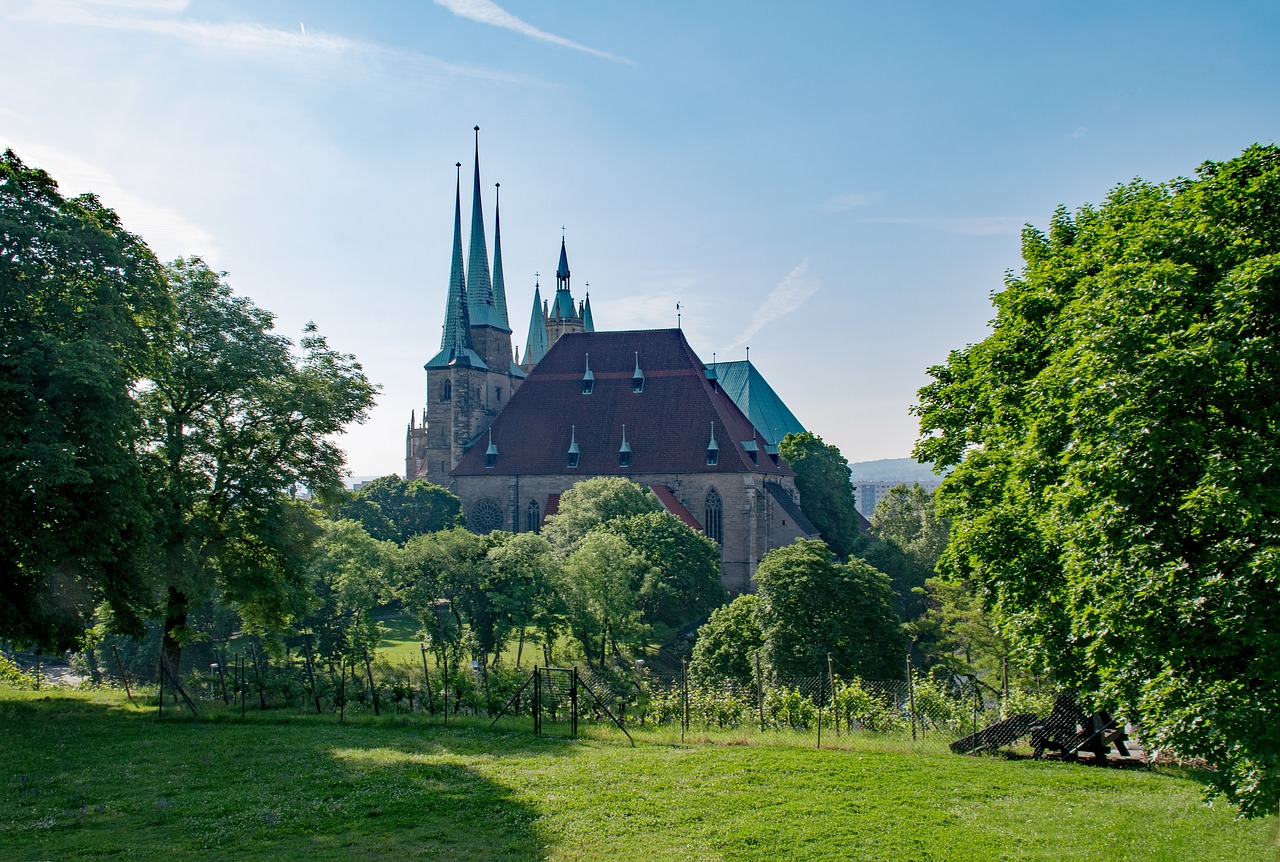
x=868, y=492
x=509, y=438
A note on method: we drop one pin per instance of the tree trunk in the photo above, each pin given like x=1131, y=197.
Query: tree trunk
x=175, y=619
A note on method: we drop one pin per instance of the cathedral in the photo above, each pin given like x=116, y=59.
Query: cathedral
x=509, y=433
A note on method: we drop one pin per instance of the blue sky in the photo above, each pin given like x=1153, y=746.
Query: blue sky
x=837, y=185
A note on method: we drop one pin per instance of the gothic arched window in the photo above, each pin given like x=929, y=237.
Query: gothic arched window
x=533, y=517
x=446, y=391
x=712, y=509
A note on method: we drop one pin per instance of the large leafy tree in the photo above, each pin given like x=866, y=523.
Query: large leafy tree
x=1117, y=497
x=823, y=479
x=352, y=575
x=592, y=502
x=682, y=583
x=598, y=586
x=235, y=422
x=811, y=606
x=728, y=643
x=392, y=509
x=907, y=518
x=80, y=298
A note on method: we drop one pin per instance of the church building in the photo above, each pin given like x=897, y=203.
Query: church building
x=509, y=437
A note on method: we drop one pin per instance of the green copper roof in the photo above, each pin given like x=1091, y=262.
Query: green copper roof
x=562, y=271
x=535, y=347
x=479, y=287
x=756, y=398
x=499, y=286
x=455, y=343
x=588, y=325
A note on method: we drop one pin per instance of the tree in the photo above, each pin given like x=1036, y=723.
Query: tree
x=595, y=501
x=81, y=297
x=683, y=580
x=907, y=518
x=524, y=573
x=811, y=606
x=234, y=423
x=395, y=510
x=727, y=644
x=1115, y=497
x=956, y=632
x=352, y=574
x=436, y=566
x=826, y=491
x=601, y=602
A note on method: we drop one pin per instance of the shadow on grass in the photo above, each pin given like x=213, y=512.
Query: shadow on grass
x=88, y=776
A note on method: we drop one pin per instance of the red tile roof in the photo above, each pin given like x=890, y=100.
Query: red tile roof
x=668, y=424
x=669, y=502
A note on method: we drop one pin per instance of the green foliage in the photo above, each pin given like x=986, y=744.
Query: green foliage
x=811, y=606
x=727, y=644
x=956, y=632
x=683, y=581
x=599, y=596
x=592, y=502
x=826, y=495
x=907, y=518
x=13, y=676
x=1116, y=499
x=392, y=509
x=858, y=707
x=81, y=299
x=352, y=574
x=233, y=424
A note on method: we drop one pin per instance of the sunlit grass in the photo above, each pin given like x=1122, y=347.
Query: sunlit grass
x=88, y=776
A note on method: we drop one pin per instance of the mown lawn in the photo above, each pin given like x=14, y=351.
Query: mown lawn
x=87, y=776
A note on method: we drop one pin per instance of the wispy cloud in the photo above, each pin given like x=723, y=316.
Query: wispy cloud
x=967, y=226
x=655, y=306
x=132, y=15
x=845, y=202
x=789, y=294
x=1080, y=132
x=488, y=12
x=169, y=233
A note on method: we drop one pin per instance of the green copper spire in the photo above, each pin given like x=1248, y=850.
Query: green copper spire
x=455, y=343
x=562, y=305
x=499, y=286
x=479, y=287
x=535, y=346
x=588, y=325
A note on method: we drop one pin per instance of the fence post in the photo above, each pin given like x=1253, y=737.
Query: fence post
x=911, y=698
x=243, y=683
x=311, y=676
x=537, y=701
x=759, y=692
x=831, y=690
x=573, y=704
x=342, y=689
x=426, y=675
x=123, y=677
x=684, y=698
x=257, y=675
x=373, y=691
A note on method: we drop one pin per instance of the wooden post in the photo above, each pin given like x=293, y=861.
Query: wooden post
x=573, y=705
x=257, y=675
x=426, y=676
x=373, y=691
x=759, y=691
x=222, y=676
x=537, y=701
x=911, y=698
x=684, y=697
x=831, y=692
x=311, y=676
x=342, y=689
x=244, y=683
x=123, y=677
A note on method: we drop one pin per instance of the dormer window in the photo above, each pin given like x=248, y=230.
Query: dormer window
x=588, y=379
x=574, y=452
x=750, y=447
x=637, y=377
x=624, y=451
x=771, y=449
x=713, y=448
x=491, y=454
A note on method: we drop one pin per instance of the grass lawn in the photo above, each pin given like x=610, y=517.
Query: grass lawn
x=88, y=776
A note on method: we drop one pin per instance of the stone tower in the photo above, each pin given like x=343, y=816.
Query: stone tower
x=473, y=375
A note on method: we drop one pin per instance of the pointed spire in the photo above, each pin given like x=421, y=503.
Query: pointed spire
x=625, y=447
x=535, y=346
x=637, y=376
x=588, y=379
x=588, y=325
x=499, y=286
x=479, y=287
x=562, y=305
x=457, y=321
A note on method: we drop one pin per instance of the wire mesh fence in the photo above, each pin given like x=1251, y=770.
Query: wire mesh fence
x=915, y=712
